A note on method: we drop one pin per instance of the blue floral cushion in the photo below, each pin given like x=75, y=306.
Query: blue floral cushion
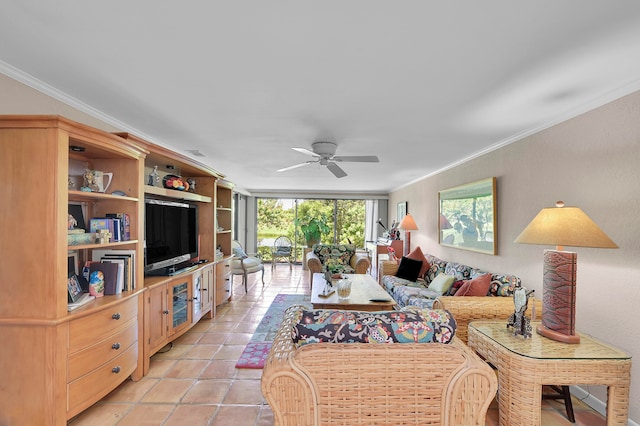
x=337, y=326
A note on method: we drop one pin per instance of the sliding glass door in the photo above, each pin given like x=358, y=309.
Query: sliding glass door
x=329, y=220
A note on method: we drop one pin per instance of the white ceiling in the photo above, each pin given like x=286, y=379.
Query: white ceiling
x=422, y=84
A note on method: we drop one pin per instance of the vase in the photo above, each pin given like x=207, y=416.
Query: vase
x=344, y=288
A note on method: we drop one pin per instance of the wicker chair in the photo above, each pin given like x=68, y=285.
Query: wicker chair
x=383, y=384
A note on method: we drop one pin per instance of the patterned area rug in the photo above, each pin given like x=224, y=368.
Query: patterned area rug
x=256, y=351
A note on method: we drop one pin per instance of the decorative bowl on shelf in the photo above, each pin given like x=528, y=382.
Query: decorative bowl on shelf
x=175, y=182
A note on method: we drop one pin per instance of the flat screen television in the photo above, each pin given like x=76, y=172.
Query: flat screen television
x=171, y=236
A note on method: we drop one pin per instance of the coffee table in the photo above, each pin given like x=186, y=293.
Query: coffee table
x=524, y=365
x=363, y=288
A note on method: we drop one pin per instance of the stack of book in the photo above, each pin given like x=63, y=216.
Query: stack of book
x=118, y=267
x=118, y=224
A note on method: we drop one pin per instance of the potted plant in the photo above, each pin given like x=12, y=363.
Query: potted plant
x=313, y=230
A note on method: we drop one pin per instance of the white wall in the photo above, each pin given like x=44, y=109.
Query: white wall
x=591, y=161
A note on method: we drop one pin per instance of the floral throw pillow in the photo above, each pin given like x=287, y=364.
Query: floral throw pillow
x=337, y=326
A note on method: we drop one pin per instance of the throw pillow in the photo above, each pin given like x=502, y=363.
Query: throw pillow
x=238, y=252
x=454, y=288
x=417, y=254
x=336, y=326
x=409, y=269
x=478, y=286
x=442, y=283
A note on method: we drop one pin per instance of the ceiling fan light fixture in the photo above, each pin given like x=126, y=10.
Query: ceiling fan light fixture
x=324, y=153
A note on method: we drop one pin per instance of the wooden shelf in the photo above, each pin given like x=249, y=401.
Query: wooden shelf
x=82, y=195
x=179, y=195
x=99, y=246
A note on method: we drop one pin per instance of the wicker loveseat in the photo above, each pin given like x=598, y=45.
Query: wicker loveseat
x=497, y=304
x=382, y=384
x=353, y=261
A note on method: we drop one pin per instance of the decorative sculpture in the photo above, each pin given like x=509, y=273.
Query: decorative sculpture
x=520, y=323
x=154, y=177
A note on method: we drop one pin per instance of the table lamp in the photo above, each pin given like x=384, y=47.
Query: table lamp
x=561, y=226
x=408, y=225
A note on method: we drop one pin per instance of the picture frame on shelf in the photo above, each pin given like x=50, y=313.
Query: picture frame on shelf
x=73, y=267
x=77, y=211
x=74, y=288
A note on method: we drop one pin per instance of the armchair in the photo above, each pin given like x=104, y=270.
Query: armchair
x=243, y=264
x=353, y=262
x=383, y=384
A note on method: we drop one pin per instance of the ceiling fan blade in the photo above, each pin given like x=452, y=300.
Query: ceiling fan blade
x=357, y=158
x=305, y=151
x=295, y=166
x=336, y=170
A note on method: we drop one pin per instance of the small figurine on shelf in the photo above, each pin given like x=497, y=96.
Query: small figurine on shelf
x=89, y=181
x=71, y=223
x=96, y=284
x=392, y=254
x=192, y=185
x=154, y=177
x=103, y=236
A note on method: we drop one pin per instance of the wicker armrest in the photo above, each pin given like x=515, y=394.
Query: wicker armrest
x=468, y=308
x=313, y=263
x=360, y=262
x=288, y=393
x=388, y=267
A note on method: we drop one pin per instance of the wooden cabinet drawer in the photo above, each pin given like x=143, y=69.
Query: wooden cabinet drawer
x=85, y=360
x=99, y=325
x=90, y=388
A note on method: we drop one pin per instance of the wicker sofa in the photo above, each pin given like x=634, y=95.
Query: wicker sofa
x=364, y=383
x=354, y=262
x=498, y=304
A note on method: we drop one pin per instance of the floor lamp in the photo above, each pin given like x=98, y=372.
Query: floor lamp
x=561, y=226
x=407, y=224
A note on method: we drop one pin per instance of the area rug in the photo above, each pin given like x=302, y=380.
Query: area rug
x=256, y=351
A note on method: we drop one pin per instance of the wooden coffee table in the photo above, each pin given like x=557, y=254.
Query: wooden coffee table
x=363, y=289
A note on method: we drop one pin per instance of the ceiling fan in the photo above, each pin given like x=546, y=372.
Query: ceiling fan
x=325, y=154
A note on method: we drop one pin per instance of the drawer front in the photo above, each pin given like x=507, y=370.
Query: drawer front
x=103, y=323
x=90, y=388
x=82, y=362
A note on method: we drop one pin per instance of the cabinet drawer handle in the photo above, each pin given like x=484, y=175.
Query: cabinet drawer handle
x=165, y=312
x=205, y=289
x=115, y=346
x=115, y=316
x=115, y=370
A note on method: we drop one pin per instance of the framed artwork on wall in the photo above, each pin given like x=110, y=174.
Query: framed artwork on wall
x=402, y=211
x=467, y=216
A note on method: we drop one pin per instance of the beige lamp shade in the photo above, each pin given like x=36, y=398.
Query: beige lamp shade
x=408, y=224
x=564, y=226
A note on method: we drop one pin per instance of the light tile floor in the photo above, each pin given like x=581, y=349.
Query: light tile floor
x=194, y=381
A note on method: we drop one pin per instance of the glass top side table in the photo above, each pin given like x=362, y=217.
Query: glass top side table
x=524, y=365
